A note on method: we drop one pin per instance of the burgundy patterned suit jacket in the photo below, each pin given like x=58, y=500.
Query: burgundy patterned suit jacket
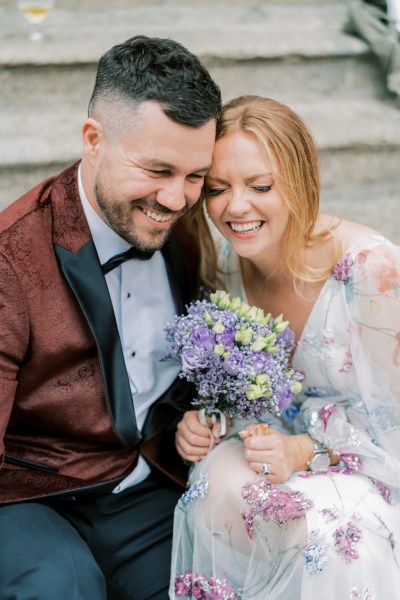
x=66, y=415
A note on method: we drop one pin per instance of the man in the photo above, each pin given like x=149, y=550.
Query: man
x=90, y=477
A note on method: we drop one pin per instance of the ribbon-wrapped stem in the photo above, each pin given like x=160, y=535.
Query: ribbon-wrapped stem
x=209, y=420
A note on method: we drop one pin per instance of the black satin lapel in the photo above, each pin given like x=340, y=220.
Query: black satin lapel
x=83, y=272
x=172, y=253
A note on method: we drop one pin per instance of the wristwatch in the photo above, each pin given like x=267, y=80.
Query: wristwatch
x=321, y=459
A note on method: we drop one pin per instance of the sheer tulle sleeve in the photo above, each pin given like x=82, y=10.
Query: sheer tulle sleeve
x=364, y=427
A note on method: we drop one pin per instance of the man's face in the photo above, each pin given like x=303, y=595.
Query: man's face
x=143, y=180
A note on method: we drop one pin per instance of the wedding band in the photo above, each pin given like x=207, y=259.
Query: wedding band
x=265, y=469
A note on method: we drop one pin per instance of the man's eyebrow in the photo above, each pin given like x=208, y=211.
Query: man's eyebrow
x=169, y=167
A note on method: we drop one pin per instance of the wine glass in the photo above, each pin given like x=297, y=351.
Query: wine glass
x=35, y=11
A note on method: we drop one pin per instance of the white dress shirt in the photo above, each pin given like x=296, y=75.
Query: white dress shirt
x=143, y=305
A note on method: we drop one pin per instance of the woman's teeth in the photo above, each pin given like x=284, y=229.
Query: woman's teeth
x=241, y=227
x=156, y=216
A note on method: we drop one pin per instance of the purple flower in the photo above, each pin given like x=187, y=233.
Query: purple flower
x=204, y=338
x=234, y=363
x=227, y=337
x=285, y=397
x=261, y=362
x=193, y=359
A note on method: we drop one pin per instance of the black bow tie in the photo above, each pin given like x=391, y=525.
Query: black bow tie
x=116, y=260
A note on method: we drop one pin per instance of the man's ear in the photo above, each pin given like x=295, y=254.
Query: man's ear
x=92, y=136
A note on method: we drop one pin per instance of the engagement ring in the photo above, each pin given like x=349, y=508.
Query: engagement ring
x=265, y=469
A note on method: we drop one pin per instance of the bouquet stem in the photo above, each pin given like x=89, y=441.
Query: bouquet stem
x=211, y=419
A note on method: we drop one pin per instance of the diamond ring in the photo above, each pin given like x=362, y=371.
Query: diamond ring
x=265, y=469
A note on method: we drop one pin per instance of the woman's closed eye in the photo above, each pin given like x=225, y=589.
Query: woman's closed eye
x=262, y=188
x=214, y=191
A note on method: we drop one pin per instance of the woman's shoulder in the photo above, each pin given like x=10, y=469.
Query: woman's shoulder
x=348, y=233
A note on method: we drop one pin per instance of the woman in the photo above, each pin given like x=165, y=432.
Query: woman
x=310, y=510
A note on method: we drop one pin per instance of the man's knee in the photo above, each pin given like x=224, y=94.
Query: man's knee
x=43, y=556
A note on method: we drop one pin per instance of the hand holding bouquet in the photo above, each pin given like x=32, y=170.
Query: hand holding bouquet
x=237, y=357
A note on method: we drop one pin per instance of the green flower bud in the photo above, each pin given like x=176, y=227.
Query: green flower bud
x=243, y=310
x=280, y=326
x=271, y=349
x=270, y=339
x=236, y=303
x=295, y=387
x=221, y=299
x=252, y=314
x=263, y=379
x=246, y=336
x=254, y=391
x=258, y=344
x=259, y=315
x=208, y=319
x=266, y=319
x=219, y=349
x=218, y=327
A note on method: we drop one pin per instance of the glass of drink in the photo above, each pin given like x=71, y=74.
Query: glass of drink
x=35, y=11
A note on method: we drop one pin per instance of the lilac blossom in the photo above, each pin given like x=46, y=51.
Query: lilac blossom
x=204, y=338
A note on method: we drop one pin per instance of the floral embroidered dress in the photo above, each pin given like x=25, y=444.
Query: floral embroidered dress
x=332, y=535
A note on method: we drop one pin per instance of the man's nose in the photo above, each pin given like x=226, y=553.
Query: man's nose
x=172, y=195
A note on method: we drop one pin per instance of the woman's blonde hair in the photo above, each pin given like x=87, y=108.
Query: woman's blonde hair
x=293, y=159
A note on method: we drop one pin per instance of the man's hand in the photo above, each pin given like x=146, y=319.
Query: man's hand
x=193, y=439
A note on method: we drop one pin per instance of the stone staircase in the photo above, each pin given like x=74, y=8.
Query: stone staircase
x=290, y=50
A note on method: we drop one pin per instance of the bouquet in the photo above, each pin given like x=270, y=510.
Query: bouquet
x=237, y=357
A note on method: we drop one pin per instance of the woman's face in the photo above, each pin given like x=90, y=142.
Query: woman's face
x=242, y=200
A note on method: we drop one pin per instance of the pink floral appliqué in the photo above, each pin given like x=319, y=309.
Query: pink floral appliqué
x=341, y=271
x=383, y=491
x=194, y=585
x=326, y=412
x=330, y=514
x=385, y=272
x=353, y=461
x=272, y=504
x=347, y=363
x=346, y=540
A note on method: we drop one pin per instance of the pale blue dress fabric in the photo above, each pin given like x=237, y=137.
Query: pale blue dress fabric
x=332, y=535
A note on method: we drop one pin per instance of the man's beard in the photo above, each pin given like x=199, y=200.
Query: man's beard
x=119, y=218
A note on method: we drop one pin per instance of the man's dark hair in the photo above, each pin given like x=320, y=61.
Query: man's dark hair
x=163, y=70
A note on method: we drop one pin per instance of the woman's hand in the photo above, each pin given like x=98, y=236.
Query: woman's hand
x=282, y=454
x=192, y=439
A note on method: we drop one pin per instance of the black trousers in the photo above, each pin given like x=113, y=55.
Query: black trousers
x=89, y=547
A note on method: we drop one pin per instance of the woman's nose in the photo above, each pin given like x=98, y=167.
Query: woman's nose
x=238, y=202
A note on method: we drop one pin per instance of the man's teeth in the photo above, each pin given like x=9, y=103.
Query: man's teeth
x=252, y=226
x=157, y=217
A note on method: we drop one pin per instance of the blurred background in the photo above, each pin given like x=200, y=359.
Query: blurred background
x=291, y=50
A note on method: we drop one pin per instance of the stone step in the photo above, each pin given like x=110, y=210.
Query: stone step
x=248, y=49
x=292, y=50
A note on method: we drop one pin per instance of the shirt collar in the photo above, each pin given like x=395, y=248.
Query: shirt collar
x=107, y=242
